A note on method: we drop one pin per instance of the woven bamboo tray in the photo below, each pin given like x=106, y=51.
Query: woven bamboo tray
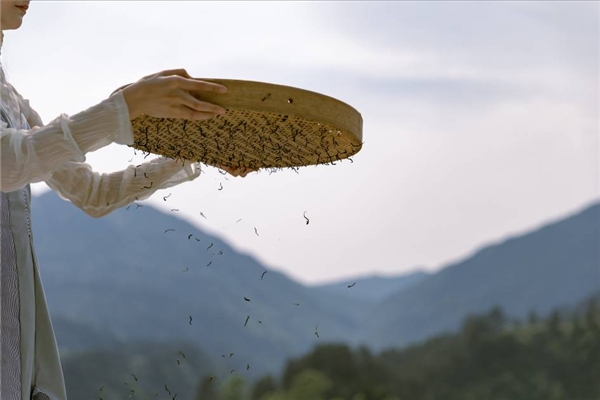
x=265, y=126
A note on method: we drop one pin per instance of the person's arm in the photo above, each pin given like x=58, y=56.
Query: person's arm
x=29, y=156
x=99, y=194
x=32, y=117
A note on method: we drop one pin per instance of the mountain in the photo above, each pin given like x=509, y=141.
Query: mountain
x=138, y=274
x=555, y=266
x=137, y=370
x=371, y=288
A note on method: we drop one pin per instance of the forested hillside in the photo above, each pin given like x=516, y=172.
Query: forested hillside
x=492, y=358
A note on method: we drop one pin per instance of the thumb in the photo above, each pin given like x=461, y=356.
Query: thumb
x=179, y=71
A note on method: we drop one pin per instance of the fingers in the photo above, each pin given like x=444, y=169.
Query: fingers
x=191, y=114
x=197, y=85
x=170, y=94
x=183, y=80
x=188, y=86
x=244, y=173
x=121, y=88
x=240, y=172
x=191, y=102
x=168, y=72
x=236, y=171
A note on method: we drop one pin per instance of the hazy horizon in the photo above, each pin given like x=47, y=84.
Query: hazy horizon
x=417, y=268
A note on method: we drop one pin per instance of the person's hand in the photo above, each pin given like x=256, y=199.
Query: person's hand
x=167, y=94
x=236, y=171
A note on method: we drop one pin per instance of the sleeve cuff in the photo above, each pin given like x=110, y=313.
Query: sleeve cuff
x=125, y=133
x=192, y=169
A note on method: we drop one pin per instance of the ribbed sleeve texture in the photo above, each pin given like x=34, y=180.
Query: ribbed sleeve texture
x=30, y=156
x=99, y=194
x=55, y=153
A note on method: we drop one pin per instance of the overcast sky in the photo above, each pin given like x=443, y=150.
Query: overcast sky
x=481, y=120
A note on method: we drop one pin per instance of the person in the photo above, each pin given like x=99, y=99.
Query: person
x=32, y=151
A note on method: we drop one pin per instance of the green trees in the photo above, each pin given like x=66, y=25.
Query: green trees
x=207, y=389
x=309, y=384
x=234, y=389
x=556, y=357
x=492, y=358
x=263, y=387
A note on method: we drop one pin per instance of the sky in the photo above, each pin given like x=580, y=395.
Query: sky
x=481, y=119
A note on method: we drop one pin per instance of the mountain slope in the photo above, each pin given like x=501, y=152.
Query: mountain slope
x=124, y=276
x=372, y=288
x=137, y=370
x=557, y=265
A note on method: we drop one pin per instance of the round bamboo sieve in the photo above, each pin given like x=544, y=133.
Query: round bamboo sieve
x=265, y=126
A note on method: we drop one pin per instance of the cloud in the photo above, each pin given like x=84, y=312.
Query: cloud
x=502, y=42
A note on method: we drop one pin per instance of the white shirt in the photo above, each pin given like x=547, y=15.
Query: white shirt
x=55, y=153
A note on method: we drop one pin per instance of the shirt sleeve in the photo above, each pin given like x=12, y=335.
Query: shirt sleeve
x=55, y=153
x=32, y=117
x=99, y=194
x=29, y=156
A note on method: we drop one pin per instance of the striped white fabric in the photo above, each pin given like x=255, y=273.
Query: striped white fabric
x=10, y=332
x=19, y=370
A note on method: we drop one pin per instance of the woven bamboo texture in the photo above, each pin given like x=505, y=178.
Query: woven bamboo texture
x=265, y=126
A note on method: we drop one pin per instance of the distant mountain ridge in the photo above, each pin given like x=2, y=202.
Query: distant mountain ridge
x=143, y=275
x=372, y=288
x=554, y=266
x=128, y=277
